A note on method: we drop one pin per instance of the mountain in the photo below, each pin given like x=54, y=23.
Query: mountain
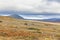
x=16, y=16
x=52, y=20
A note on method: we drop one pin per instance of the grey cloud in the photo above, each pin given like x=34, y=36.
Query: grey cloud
x=54, y=0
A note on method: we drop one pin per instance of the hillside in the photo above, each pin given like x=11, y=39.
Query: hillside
x=19, y=29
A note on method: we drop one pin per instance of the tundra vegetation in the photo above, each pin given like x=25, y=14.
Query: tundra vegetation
x=19, y=29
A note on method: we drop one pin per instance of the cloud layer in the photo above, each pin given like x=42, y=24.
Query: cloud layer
x=40, y=17
x=52, y=6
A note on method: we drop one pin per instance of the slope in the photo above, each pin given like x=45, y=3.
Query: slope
x=19, y=29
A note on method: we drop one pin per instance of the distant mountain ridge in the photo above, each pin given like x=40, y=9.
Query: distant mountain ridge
x=52, y=20
x=16, y=16
x=21, y=17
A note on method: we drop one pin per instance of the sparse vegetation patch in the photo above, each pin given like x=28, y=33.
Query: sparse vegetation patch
x=0, y=21
x=33, y=28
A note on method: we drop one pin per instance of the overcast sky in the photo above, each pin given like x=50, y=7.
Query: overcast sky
x=37, y=6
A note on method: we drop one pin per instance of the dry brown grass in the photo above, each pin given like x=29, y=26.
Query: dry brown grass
x=18, y=29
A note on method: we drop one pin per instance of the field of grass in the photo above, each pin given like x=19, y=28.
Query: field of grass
x=19, y=29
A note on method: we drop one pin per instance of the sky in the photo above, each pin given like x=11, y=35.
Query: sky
x=31, y=7
x=36, y=6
